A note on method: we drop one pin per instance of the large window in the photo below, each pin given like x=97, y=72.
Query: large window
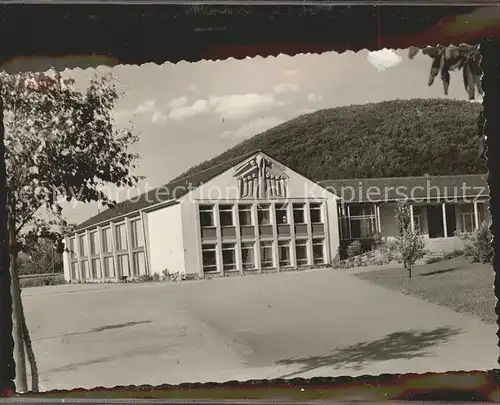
x=245, y=215
x=136, y=233
x=82, y=245
x=359, y=223
x=93, y=243
x=281, y=214
x=299, y=213
x=229, y=256
x=106, y=240
x=467, y=218
x=264, y=214
x=226, y=215
x=318, y=246
x=74, y=270
x=315, y=212
x=301, y=252
x=109, y=267
x=138, y=263
x=248, y=255
x=266, y=254
x=284, y=253
x=209, y=256
x=85, y=269
x=121, y=237
x=72, y=251
x=96, y=267
x=207, y=216
x=123, y=265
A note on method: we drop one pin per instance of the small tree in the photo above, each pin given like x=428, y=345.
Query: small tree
x=61, y=143
x=409, y=245
x=40, y=257
x=354, y=249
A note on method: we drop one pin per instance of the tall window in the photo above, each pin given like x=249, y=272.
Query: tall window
x=96, y=267
x=85, y=269
x=121, y=237
x=266, y=254
x=74, y=270
x=209, y=256
x=359, y=223
x=207, y=216
x=301, y=252
x=123, y=265
x=467, y=218
x=82, y=245
x=93, y=243
x=245, y=215
x=136, y=233
x=248, y=255
x=229, y=256
x=284, y=253
x=299, y=213
x=138, y=263
x=264, y=214
x=281, y=214
x=106, y=240
x=72, y=251
x=109, y=267
x=226, y=215
x=318, y=251
x=315, y=212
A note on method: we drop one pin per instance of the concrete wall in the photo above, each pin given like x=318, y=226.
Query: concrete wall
x=190, y=236
x=66, y=264
x=165, y=234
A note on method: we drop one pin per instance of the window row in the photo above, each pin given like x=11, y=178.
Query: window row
x=91, y=269
x=246, y=217
x=95, y=245
x=267, y=257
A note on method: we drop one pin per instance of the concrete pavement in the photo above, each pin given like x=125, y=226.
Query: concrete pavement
x=315, y=323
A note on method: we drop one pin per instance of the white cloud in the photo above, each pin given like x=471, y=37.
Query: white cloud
x=384, y=59
x=178, y=102
x=286, y=88
x=290, y=73
x=147, y=106
x=197, y=108
x=313, y=97
x=238, y=106
x=253, y=128
x=159, y=117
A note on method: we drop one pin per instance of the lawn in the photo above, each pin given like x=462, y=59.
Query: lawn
x=456, y=283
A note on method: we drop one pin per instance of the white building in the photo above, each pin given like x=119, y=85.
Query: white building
x=251, y=214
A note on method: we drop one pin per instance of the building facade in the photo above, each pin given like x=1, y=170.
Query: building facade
x=253, y=215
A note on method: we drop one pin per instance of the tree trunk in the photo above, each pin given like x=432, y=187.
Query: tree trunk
x=7, y=367
x=409, y=271
x=17, y=329
x=29, y=350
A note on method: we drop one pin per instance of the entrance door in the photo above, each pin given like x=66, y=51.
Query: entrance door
x=435, y=221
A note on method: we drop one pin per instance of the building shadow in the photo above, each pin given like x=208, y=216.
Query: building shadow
x=397, y=345
x=442, y=271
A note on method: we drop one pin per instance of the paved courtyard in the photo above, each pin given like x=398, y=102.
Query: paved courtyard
x=315, y=323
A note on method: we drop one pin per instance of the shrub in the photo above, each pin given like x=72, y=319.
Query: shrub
x=144, y=278
x=377, y=241
x=477, y=244
x=453, y=254
x=354, y=249
x=434, y=259
x=156, y=277
x=25, y=282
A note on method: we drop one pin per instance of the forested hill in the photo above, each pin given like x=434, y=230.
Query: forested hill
x=387, y=139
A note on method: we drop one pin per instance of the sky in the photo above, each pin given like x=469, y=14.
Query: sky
x=186, y=113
